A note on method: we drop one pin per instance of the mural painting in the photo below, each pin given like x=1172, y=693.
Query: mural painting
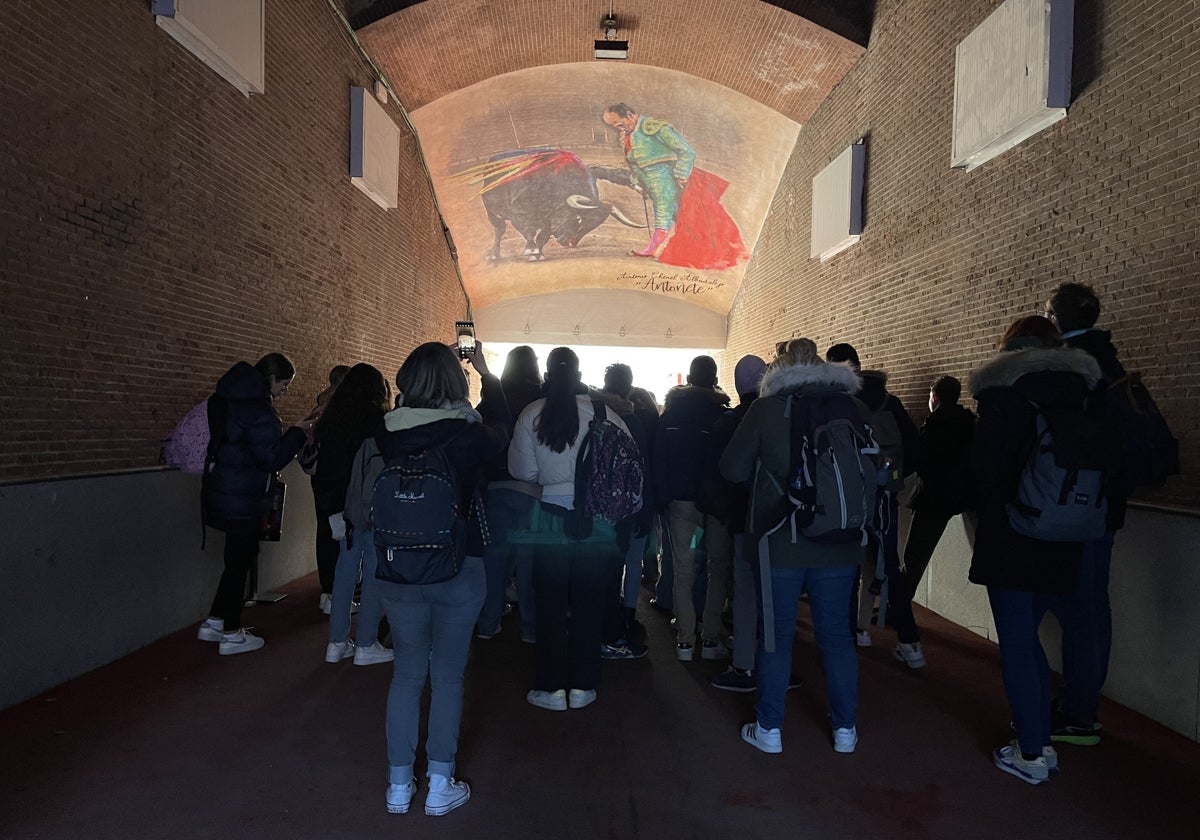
x=595, y=176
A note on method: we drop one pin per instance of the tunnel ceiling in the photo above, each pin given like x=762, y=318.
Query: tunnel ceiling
x=517, y=81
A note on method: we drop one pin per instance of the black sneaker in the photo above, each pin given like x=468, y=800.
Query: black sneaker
x=794, y=681
x=1080, y=736
x=622, y=650
x=734, y=679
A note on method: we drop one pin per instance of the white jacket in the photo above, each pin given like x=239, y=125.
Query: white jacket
x=532, y=461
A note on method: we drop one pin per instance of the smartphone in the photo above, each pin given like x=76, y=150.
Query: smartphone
x=465, y=331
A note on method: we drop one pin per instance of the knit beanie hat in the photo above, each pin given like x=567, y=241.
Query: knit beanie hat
x=748, y=373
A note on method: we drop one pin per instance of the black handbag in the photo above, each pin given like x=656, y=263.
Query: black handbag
x=272, y=517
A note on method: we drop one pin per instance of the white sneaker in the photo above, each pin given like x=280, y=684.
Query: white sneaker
x=577, y=698
x=862, y=638
x=910, y=655
x=326, y=603
x=1051, y=756
x=845, y=739
x=713, y=650
x=445, y=794
x=1010, y=760
x=243, y=641
x=399, y=797
x=767, y=740
x=212, y=630
x=373, y=654
x=337, y=651
x=555, y=701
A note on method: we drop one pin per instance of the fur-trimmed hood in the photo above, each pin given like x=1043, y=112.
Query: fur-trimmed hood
x=824, y=375
x=613, y=402
x=1004, y=369
x=682, y=394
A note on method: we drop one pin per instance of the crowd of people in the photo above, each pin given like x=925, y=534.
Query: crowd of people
x=734, y=529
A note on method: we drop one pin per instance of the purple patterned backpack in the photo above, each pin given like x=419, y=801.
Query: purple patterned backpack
x=608, y=471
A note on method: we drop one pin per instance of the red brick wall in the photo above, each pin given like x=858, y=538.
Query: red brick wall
x=158, y=226
x=948, y=259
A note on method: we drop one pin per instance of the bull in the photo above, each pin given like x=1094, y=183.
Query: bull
x=546, y=193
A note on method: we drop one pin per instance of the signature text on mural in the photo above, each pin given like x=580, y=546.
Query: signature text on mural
x=675, y=283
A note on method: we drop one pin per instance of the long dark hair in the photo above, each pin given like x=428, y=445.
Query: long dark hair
x=558, y=425
x=356, y=407
x=432, y=377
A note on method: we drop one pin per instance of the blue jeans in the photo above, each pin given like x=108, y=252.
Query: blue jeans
x=360, y=553
x=506, y=510
x=829, y=591
x=632, y=582
x=431, y=634
x=1086, y=619
x=1023, y=664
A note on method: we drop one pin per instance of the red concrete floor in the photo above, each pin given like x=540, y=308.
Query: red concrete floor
x=175, y=741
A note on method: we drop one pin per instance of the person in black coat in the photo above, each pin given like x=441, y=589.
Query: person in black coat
x=1021, y=573
x=689, y=414
x=247, y=446
x=945, y=489
x=354, y=413
x=1086, y=613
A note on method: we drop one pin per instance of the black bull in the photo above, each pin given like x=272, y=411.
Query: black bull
x=560, y=202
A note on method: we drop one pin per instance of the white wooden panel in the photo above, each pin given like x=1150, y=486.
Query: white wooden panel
x=837, y=203
x=374, y=149
x=227, y=35
x=1012, y=78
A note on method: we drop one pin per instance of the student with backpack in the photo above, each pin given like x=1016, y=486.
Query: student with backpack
x=806, y=450
x=416, y=494
x=1148, y=454
x=575, y=554
x=897, y=438
x=1034, y=457
x=354, y=413
x=247, y=446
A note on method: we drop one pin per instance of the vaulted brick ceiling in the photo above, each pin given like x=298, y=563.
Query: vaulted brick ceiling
x=739, y=79
x=786, y=55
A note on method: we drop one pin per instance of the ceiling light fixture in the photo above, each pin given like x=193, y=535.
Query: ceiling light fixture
x=610, y=47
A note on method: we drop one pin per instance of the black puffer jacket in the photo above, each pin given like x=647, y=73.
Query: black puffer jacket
x=251, y=447
x=1004, y=389
x=679, y=441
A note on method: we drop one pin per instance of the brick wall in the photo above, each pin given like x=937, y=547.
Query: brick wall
x=948, y=259
x=158, y=226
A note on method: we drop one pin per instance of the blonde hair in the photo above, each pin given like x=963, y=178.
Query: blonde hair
x=797, y=351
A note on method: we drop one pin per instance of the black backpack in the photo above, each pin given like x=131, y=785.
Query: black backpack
x=1147, y=451
x=419, y=514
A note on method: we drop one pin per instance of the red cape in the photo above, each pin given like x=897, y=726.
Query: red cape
x=705, y=236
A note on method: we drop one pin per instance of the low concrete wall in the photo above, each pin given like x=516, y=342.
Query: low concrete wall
x=1155, y=592
x=95, y=568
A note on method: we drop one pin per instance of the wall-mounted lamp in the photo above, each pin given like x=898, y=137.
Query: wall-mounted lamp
x=527, y=329
x=610, y=47
x=621, y=332
x=576, y=331
x=669, y=333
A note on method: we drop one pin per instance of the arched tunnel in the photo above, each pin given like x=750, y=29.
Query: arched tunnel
x=187, y=184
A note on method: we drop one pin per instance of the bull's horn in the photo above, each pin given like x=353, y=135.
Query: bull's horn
x=623, y=219
x=581, y=202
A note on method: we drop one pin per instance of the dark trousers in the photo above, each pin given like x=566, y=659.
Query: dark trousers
x=241, y=550
x=925, y=531
x=327, y=553
x=570, y=578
